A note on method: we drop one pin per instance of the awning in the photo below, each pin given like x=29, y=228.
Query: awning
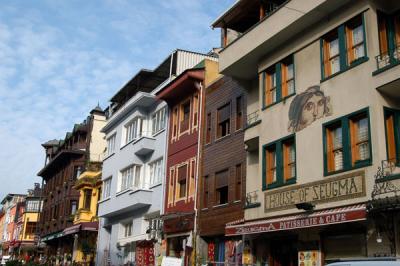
x=72, y=229
x=305, y=220
x=52, y=236
x=90, y=226
x=87, y=226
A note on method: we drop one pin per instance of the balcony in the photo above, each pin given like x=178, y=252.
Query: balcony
x=144, y=145
x=387, y=74
x=240, y=58
x=125, y=201
x=253, y=119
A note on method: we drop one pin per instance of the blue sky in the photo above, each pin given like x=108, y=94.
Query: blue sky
x=58, y=59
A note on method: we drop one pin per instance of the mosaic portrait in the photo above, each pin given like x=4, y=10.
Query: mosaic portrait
x=307, y=107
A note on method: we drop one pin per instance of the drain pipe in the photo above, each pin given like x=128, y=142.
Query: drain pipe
x=199, y=160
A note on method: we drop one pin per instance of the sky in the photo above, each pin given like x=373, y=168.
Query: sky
x=59, y=59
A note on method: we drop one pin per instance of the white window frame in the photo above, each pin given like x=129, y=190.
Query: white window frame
x=130, y=177
x=156, y=169
x=133, y=129
x=158, y=121
x=106, y=188
x=111, y=144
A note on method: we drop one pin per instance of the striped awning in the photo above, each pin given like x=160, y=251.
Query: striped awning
x=304, y=220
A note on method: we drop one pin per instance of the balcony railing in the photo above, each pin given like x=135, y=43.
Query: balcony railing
x=383, y=177
x=252, y=119
x=388, y=59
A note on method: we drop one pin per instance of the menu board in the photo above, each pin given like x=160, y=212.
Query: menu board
x=309, y=258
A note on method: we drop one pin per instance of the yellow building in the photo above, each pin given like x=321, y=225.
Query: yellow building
x=85, y=221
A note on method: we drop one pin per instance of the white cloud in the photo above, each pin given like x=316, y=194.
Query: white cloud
x=56, y=63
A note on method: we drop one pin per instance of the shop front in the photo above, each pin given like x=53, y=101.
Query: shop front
x=178, y=233
x=311, y=238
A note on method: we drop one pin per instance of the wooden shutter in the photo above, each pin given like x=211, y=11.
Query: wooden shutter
x=397, y=29
x=390, y=138
x=327, y=65
x=286, y=159
x=270, y=162
x=192, y=183
x=182, y=172
x=329, y=150
x=268, y=86
x=350, y=42
x=171, y=186
x=224, y=113
x=221, y=179
x=353, y=141
x=383, y=44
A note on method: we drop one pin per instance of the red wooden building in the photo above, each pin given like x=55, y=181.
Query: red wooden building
x=183, y=96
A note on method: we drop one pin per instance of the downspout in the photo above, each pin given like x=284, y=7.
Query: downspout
x=199, y=161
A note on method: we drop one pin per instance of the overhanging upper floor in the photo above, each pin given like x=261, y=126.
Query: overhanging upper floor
x=241, y=57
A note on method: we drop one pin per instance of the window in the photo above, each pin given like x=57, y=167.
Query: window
x=87, y=198
x=389, y=39
x=239, y=112
x=208, y=128
x=174, y=123
x=195, y=109
x=130, y=178
x=32, y=205
x=270, y=86
x=156, y=171
x=133, y=130
x=224, y=120
x=182, y=180
x=158, y=121
x=331, y=53
x=239, y=178
x=106, y=188
x=279, y=167
x=185, y=116
x=127, y=229
x=355, y=39
x=278, y=81
x=343, y=47
x=221, y=187
x=77, y=172
x=347, y=143
x=392, y=129
x=111, y=145
x=74, y=207
x=205, y=192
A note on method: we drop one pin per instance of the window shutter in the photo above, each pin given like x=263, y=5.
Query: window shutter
x=350, y=42
x=224, y=113
x=390, y=137
x=221, y=179
x=182, y=172
x=383, y=45
x=327, y=65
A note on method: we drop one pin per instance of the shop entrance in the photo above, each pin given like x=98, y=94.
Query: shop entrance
x=283, y=253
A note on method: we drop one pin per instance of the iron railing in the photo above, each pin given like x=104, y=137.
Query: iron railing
x=388, y=58
x=252, y=118
x=382, y=184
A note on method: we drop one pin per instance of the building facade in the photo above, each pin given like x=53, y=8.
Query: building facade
x=322, y=140
x=221, y=190
x=11, y=204
x=134, y=168
x=184, y=96
x=65, y=161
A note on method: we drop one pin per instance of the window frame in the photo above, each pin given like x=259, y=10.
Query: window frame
x=134, y=168
x=348, y=163
x=87, y=198
x=218, y=189
x=153, y=168
x=208, y=128
x=239, y=114
x=112, y=137
x=278, y=147
x=182, y=116
x=158, y=120
x=344, y=62
x=229, y=129
x=106, y=184
x=281, y=90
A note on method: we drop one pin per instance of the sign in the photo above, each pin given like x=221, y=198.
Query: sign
x=320, y=218
x=170, y=261
x=331, y=189
x=309, y=258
